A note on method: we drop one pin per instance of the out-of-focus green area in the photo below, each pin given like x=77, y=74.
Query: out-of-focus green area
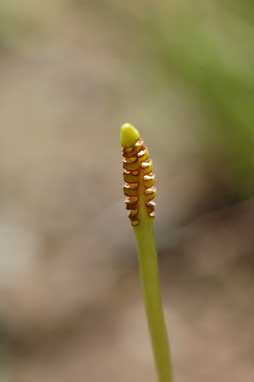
x=208, y=47
x=71, y=72
x=15, y=24
x=209, y=44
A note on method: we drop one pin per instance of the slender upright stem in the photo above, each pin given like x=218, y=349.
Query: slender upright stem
x=149, y=274
x=140, y=191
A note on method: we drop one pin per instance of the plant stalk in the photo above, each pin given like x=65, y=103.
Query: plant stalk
x=149, y=275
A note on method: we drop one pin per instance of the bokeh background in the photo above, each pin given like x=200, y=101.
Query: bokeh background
x=71, y=71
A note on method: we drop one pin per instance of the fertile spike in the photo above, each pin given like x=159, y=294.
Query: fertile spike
x=138, y=177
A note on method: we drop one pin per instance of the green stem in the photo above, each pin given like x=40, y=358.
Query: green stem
x=149, y=273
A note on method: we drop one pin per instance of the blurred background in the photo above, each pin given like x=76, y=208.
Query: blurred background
x=71, y=72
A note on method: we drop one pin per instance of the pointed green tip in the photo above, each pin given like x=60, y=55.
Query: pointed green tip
x=129, y=135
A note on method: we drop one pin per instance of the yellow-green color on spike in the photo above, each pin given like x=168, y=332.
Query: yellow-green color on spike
x=129, y=135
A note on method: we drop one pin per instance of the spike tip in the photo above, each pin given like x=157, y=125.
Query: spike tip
x=129, y=135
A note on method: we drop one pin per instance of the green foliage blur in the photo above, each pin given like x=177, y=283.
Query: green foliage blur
x=9, y=23
x=16, y=23
x=209, y=44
